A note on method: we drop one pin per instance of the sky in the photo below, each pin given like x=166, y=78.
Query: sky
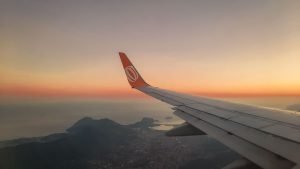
x=219, y=48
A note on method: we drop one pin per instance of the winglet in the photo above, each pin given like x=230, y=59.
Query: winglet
x=134, y=78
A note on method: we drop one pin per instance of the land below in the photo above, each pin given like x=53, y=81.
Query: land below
x=105, y=144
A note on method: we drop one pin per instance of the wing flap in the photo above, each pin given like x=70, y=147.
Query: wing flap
x=262, y=139
x=283, y=131
x=184, y=130
x=258, y=155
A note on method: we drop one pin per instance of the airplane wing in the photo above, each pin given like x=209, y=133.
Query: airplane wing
x=269, y=138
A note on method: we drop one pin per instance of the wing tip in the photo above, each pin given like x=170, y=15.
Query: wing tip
x=133, y=77
x=122, y=53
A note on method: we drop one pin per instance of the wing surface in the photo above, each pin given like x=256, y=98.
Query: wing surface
x=268, y=137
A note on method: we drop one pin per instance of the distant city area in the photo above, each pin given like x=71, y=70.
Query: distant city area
x=105, y=144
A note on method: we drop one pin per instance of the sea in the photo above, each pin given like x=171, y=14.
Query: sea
x=34, y=117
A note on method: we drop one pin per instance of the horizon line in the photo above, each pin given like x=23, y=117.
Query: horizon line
x=27, y=91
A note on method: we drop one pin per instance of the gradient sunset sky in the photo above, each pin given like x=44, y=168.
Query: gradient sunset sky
x=220, y=48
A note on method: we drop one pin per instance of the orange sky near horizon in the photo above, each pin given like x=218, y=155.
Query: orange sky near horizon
x=215, y=48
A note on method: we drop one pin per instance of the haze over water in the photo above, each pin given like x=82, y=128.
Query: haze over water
x=39, y=117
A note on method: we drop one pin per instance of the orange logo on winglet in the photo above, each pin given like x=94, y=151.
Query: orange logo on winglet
x=131, y=73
